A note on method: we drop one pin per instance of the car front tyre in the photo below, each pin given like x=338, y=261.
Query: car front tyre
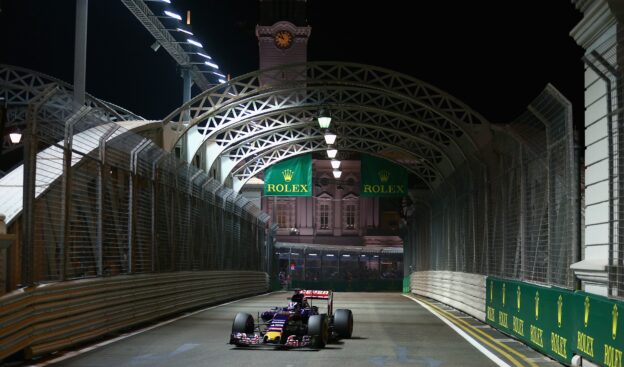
x=318, y=328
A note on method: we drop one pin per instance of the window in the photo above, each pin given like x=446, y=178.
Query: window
x=350, y=215
x=324, y=216
x=285, y=212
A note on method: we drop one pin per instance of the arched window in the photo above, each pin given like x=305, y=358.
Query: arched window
x=324, y=211
x=350, y=211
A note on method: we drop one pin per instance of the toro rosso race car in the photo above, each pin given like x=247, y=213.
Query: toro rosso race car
x=298, y=325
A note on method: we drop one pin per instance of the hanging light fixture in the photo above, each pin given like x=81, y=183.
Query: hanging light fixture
x=330, y=138
x=324, y=118
x=331, y=153
x=15, y=135
x=337, y=173
x=335, y=163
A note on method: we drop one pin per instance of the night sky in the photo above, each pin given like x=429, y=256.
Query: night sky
x=453, y=45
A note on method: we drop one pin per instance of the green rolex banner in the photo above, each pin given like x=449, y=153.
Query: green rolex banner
x=382, y=178
x=292, y=177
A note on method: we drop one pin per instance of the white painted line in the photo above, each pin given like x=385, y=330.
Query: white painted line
x=125, y=336
x=507, y=340
x=463, y=334
x=484, y=326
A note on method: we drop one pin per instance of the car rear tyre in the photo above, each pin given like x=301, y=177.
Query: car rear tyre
x=243, y=323
x=318, y=328
x=343, y=323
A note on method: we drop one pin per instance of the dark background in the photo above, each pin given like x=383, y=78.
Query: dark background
x=496, y=56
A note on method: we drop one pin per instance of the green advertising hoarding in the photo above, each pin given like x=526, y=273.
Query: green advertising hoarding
x=557, y=321
x=539, y=316
x=382, y=178
x=600, y=332
x=292, y=177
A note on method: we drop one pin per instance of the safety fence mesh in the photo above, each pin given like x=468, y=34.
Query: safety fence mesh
x=513, y=212
x=110, y=201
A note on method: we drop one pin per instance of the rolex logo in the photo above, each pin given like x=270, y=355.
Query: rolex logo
x=383, y=176
x=536, y=305
x=586, y=315
x=288, y=175
x=614, y=315
x=559, y=310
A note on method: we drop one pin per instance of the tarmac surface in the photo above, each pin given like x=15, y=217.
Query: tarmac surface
x=390, y=329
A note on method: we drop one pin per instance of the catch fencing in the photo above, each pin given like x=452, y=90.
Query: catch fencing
x=103, y=199
x=514, y=211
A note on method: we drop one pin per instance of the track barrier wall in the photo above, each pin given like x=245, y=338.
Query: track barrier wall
x=557, y=321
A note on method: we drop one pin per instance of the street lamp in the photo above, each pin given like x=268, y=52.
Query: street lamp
x=331, y=153
x=335, y=163
x=337, y=173
x=173, y=15
x=194, y=43
x=324, y=119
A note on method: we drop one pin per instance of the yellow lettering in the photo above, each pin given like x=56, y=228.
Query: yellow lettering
x=279, y=188
x=295, y=188
x=502, y=319
x=536, y=335
x=367, y=188
x=585, y=343
x=612, y=356
x=270, y=187
x=558, y=344
x=491, y=314
x=304, y=188
x=518, y=326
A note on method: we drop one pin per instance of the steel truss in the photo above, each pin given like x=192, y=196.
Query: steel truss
x=19, y=86
x=366, y=102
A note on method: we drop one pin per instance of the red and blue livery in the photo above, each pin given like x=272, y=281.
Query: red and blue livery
x=300, y=324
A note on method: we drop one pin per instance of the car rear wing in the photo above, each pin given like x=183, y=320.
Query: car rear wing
x=318, y=294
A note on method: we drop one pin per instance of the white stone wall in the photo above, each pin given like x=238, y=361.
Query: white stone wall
x=596, y=33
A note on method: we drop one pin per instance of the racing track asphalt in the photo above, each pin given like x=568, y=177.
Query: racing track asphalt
x=389, y=330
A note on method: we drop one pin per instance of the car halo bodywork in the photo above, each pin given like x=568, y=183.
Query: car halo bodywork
x=298, y=325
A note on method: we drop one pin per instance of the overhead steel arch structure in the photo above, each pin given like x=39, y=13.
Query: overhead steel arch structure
x=19, y=86
x=265, y=109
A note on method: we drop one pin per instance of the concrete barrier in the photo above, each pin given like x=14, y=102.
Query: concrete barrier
x=54, y=316
x=463, y=291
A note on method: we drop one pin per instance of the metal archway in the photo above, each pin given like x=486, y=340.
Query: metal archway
x=18, y=86
x=445, y=131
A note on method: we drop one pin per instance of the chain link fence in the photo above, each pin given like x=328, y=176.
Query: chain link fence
x=109, y=201
x=514, y=216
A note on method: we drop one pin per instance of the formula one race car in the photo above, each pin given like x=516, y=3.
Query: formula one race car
x=298, y=325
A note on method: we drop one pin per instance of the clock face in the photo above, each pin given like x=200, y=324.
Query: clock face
x=283, y=39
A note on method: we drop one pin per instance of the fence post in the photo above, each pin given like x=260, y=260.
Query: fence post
x=31, y=143
x=66, y=192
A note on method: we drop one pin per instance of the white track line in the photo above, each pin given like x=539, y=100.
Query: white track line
x=463, y=334
x=125, y=336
